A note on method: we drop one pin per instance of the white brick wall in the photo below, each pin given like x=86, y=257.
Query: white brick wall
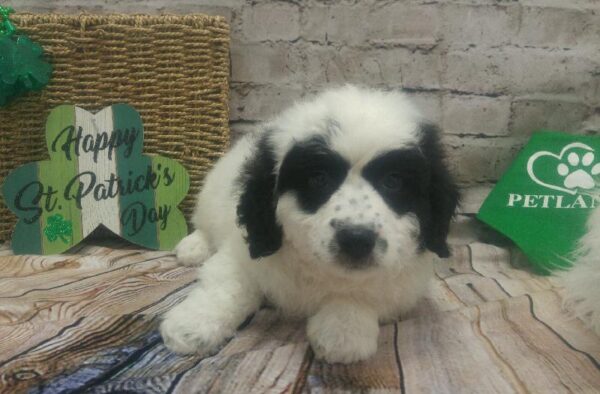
x=488, y=71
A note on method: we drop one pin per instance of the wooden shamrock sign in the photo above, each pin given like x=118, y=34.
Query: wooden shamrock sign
x=96, y=175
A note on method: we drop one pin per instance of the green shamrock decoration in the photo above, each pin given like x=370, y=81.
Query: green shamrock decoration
x=6, y=27
x=58, y=227
x=22, y=64
x=96, y=176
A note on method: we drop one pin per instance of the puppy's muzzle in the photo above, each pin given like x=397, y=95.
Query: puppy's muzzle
x=356, y=242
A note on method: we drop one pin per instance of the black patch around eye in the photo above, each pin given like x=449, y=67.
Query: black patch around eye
x=319, y=179
x=427, y=188
x=400, y=177
x=392, y=181
x=313, y=171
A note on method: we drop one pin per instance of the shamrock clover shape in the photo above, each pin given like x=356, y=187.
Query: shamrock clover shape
x=58, y=227
x=96, y=176
x=22, y=67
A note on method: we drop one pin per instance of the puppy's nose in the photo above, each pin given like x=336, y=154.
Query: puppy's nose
x=356, y=242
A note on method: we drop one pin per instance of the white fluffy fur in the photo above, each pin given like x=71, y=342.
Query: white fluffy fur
x=582, y=282
x=302, y=279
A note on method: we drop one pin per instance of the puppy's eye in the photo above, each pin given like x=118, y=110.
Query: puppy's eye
x=318, y=180
x=392, y=181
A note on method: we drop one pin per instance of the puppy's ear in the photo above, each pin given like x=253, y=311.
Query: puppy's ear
x=442, y=192
x=257, y=203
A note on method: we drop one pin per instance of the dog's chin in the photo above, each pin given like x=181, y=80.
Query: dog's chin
x=344, y=267
x=357, y=266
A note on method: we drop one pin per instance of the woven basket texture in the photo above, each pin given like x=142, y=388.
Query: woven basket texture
x=173, y=69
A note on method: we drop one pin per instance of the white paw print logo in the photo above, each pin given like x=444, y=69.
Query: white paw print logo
x=575, y=166
x=578, y=171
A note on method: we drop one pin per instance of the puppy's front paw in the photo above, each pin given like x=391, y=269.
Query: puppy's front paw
x=343, y=338
x=187, y=332
x=193, y=249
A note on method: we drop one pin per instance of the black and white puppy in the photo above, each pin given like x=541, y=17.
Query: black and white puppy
x=334, y=211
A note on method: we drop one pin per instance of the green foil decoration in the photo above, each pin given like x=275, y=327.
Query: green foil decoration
x=58, y=227
x=22, y=64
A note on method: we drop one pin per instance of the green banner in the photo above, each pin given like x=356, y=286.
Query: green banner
x=543, y=200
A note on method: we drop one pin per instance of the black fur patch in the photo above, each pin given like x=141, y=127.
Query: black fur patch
x=443, y=192
x=312, y=171
x=256, y=206
x=401, y=177
x=416, y=180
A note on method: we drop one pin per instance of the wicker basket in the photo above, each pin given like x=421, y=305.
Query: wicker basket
x=173, y=69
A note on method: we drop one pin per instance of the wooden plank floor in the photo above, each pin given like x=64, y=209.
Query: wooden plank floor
x=86, y=322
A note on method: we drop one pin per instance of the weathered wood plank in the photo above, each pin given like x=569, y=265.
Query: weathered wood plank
x=23, y=274
x=475, y=289
x=24, y=265
x=380, y=373
x=541, y=360
x=102, y=164
x=266, y=371
x=498, y=346
x=439, y=298
x=84, y=352
x=478, y=273
x=18, y=338
x=547, y=306
x=169, y=300
x=53, y=173
x=458, y=263
x=494, y=263
x=112, y=293
x=444, y=353
x=266, y=356
x=470, y=334
x=442, y=297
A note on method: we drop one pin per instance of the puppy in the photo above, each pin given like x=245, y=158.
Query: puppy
x=582, y=282
x=333, y=211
